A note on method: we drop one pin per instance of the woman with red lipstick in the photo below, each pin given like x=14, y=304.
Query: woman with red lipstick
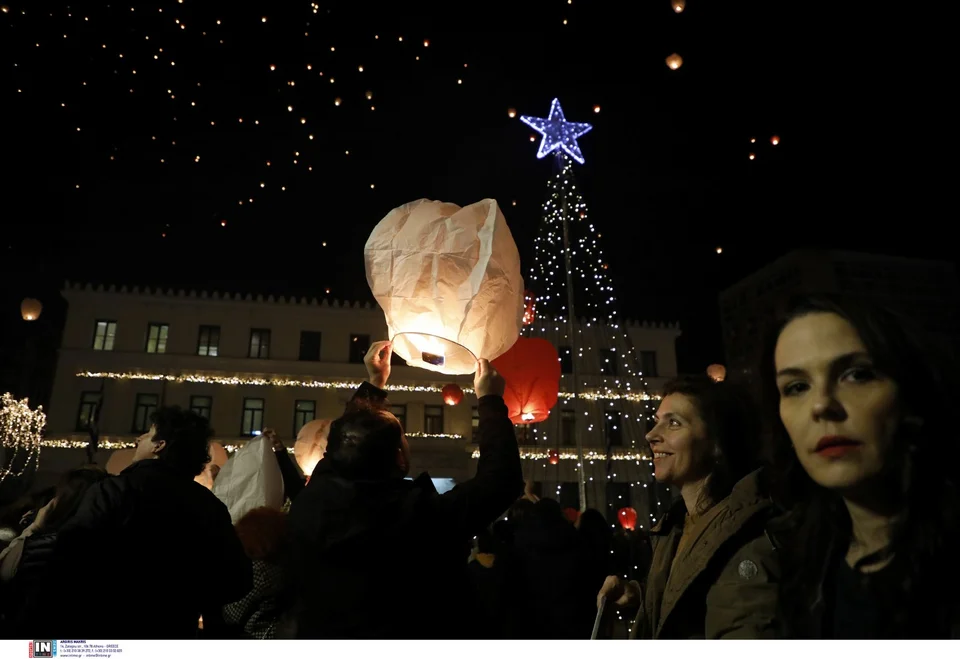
x=866, y=470
x=714, y=571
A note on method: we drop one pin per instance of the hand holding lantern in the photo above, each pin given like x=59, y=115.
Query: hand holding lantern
x=377, y=362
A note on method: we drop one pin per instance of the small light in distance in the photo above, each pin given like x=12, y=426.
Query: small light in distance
x=775, y=140
x=719, y=250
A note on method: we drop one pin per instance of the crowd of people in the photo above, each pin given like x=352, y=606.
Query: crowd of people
x=829, y=511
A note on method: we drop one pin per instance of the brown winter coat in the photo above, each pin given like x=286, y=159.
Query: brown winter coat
x=725, y=582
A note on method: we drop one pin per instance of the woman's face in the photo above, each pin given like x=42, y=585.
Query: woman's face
x=841, y=413
x=681, y=450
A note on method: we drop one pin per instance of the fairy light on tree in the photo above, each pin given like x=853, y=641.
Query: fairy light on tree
x=575, y=302
x=21, y=430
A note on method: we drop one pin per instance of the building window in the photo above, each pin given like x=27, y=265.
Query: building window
x=400, y=411
x=359, y=345
x=146, y=405
x=618, y=496
x=474, y=425
x=608, y=362
x=569, y=495
x=157, y=338
x=433, y=419
x=202, y=405
x=208, y=345
x=259, y=344
x=252, y=423
x=104, y=334
x=568, y=428
x=310, y=346
x=566, y=360
x=613, y=424
x=89, y=401
x=648, y=363
x=304, y=411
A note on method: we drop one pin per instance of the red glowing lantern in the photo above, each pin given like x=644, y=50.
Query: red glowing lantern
x=529, y=308
x=532, y=371
x=628, y=518
x=452, y=394
x=572, y=515
x=554, y=457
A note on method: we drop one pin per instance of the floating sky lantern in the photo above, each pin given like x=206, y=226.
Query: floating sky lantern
x=674, y=62
x=30, y=309
x=628, y=518
x=554, y=458
x=717, y=372
x=678, y=6
x=452, y=394
x=448, y=281
x=529, y=307
x=531, y=369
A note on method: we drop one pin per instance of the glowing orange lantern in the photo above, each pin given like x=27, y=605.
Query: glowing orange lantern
x=717, y=372
x=30, y=309
x=452, y=394
x=572, y=514
x=529, y=307
x=628, y=518
x=311, y=444
x=775, y=140
x=679, y=6
x=120, y=460
x=674, y=62
x=554, y=457
x=532, y=371
x=448, y=280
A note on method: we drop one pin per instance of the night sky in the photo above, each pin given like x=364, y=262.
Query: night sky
x=126, y=159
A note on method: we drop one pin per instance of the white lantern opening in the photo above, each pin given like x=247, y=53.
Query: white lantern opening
x=448, y=280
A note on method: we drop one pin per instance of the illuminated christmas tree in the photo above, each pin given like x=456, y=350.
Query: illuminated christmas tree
x=605, y=406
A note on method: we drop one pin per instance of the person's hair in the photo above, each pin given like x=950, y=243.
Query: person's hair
x=263, y=534
x=363, y=443
x=187, y=436
x=921, y=466
x=732, y=427
x=70, y=490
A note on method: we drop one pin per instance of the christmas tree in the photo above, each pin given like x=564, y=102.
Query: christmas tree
x=604, y=405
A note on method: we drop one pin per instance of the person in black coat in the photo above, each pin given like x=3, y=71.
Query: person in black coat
x=149, y=551
x=378, y=556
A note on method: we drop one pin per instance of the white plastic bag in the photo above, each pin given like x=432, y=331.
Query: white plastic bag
x=250, y=479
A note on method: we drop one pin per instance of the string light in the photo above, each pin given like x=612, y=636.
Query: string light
x=544, y=454
x=20, y=432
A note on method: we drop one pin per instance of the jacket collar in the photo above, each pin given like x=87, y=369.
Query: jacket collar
x=729, y=516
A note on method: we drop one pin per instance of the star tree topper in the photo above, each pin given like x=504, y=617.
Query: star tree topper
x=558, y=132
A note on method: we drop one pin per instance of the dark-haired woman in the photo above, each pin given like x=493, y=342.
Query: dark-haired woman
x=714, y=571
x=866, y=462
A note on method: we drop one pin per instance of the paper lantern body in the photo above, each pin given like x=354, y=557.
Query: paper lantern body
x=30, y=308
x=531, y=369
x=572, y=514
x=452, y=394
x=218, y=454
x=119, y=460
x=448, y=281
x=554, y=457
x=250, y=479
x=529, y=308
x=717, y=372
x=628, y=518
x=311, y=444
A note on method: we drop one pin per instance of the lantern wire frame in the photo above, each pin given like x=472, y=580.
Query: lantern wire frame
x=434, y=353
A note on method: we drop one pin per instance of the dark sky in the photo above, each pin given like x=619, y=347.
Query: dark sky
x=667, y=175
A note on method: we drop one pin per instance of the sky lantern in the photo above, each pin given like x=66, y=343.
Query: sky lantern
x=532, y=371
x=674, y=62
x=717, y=372
x=529, y=308
x=511, y=112
x=775, y=140
x=311, y=444
x=218, y=454
x=679, y=6
x=30, y=309
x=554, y=457
x=628, y=518
x=452, y=394
x=448, y=280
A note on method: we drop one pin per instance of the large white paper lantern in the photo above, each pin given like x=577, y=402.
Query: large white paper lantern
x=311, y=444
x=448, y=280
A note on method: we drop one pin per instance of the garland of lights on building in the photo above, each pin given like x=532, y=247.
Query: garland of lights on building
x=21, y=430
x=594, y=301
x=346, y=385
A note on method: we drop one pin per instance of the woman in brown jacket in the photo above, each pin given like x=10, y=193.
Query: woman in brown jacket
x=714, y=572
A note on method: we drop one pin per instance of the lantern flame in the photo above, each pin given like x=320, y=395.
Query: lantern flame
x=528, y=416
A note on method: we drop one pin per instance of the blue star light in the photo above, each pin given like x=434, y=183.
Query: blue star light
x=558, y=132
